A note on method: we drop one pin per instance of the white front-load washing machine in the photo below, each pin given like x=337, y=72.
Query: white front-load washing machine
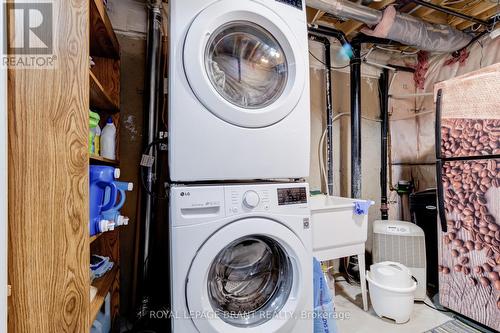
x=238, y=90
x=241, y=259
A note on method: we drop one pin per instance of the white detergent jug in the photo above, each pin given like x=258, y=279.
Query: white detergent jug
x=108, y=140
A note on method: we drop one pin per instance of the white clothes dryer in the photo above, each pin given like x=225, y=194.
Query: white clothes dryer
x=238, y=90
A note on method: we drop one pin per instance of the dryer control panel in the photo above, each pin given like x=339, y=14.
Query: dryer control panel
x=293, y=3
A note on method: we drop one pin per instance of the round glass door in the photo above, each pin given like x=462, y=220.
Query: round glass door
x=249, y=281
x=246, y=65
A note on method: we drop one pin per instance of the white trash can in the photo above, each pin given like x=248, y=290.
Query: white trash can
x=392, y=290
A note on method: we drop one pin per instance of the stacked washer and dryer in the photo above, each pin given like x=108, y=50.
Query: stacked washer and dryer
x=241, y=246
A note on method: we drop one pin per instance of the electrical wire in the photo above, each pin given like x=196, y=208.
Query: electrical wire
x=434, y=308
x=490, y=29
x=324, y=64
x=142, y=167
x=413, y=116
x=482, y=55
x=322, y=166
x=403, y=53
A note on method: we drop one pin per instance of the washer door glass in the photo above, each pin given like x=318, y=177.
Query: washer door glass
x=246, y=65
x=249, y=281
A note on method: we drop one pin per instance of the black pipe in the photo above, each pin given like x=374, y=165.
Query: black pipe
x=356, y=121
x=450, y=12
x=329, y=108
x=322, y=30
x=365, y=39
x=151, y=89
x=384, y=115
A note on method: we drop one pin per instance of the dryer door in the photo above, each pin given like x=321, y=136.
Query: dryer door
x=244, y=64
x=247, y=278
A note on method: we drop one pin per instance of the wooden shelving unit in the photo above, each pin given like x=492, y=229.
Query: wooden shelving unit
x=104, y=98
x=103, y=41
x=99, y=97
x=103, y=286
x=51, y=227
x=102, y=160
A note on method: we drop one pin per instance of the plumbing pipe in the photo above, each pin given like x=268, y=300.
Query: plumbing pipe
x=151, y=107
x=450, y=12
x=399, y=27
x=356, y=121
x=328, y=92
x=322, y=30
x=402, y=96
x=374, y=64
x=384, y=115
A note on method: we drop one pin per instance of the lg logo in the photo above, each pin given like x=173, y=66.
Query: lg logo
x=185, y=194
x=32, y=28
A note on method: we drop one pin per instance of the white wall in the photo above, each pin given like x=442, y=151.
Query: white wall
x=128, y=16
x=3, y=187
x=341, y=129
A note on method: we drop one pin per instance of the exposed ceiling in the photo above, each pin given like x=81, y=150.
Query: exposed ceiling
x=482, y=9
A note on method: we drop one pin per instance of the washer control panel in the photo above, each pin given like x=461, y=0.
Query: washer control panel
x=266, y=198
x=292, y=196
x=293, y=3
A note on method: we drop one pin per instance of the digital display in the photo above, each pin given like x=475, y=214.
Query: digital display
x=294, y=3
x=292, y=196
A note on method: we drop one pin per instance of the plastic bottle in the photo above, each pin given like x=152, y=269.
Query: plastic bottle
x=93, y=122
x=108, y=140
x=97, y=140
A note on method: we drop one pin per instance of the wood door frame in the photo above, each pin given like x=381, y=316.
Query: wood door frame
x=3, y=185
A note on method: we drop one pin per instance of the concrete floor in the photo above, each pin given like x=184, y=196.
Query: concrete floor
x=348, y=304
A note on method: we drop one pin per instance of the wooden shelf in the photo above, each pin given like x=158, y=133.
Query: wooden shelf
x=102, y=160
x=99, y=98
x=94, y=238
x=103, y=286
x=103, y=41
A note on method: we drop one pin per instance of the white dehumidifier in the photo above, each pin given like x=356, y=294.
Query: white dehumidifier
x=402, y=242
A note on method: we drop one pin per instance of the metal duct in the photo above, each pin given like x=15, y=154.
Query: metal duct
x=349, y=10
x=399, y=27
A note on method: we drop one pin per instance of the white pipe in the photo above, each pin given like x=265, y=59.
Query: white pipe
x=402, y=96
x=3, y=185
x=374, y=64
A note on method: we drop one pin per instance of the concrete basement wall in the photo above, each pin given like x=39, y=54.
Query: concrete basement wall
x=129, y=19
x=370, y=131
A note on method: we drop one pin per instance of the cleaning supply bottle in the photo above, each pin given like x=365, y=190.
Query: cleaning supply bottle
x=102, y=178
x=108, y=140
x=113, y=214
x=97, y=140
x=93, y=123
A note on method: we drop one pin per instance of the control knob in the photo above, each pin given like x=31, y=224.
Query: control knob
x=251, y=199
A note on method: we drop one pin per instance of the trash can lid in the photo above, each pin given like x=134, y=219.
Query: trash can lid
x=391, y=274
